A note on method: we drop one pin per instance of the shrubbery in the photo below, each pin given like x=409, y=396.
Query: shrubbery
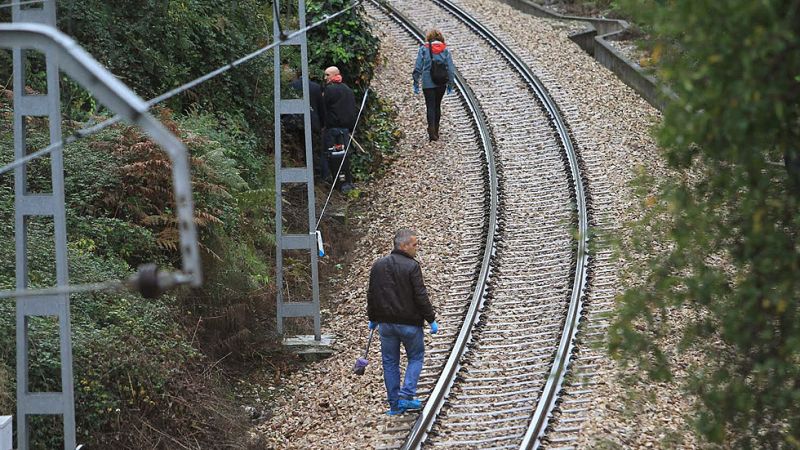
x=134, y=364
x=728, y=222
x=138, y=371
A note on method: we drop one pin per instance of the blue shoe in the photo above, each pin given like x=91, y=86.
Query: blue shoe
x=409, y=404
x=395, y=412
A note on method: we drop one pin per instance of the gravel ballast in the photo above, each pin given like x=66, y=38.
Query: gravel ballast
x=611, y=126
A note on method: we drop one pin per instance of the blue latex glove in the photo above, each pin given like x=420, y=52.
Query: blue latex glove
x=416, y=89
x=449, y=89
x=372, y=325
x=434, y=327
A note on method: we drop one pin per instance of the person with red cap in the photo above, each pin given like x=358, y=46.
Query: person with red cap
x=340, y=115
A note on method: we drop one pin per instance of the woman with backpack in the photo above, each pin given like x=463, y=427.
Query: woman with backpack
x=434, y=68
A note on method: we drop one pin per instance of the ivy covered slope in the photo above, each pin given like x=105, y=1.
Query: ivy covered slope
x=730, y=219
x=146, y=371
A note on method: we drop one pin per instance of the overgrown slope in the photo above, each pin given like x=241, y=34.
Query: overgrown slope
x=151, y=373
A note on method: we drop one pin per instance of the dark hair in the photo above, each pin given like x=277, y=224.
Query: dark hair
x=434, y=35
x=402, y=236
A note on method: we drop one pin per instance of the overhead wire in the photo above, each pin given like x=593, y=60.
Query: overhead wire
x=112, y=285
x=23, y=3
x=84, y=132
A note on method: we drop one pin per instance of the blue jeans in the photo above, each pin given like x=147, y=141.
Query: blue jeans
x=392, y=334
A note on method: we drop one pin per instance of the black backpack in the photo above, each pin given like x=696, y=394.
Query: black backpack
x=439, y=73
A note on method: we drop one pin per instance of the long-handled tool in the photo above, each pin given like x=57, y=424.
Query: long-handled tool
x=361, y=363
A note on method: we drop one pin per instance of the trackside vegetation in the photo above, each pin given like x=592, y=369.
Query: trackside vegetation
x=723, y=233
x=156, y=373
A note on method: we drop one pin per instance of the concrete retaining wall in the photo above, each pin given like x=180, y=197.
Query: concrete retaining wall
x=593, y=41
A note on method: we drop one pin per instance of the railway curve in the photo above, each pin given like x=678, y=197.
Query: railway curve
x=515, y=163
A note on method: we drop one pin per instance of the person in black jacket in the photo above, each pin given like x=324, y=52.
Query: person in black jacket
x=317, y=116
x=397, y=303
x=340, y=119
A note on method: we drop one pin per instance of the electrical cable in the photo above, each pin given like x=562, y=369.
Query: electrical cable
x=341, y=164
x=82, y=133
x=114, y=285
x=27, y=2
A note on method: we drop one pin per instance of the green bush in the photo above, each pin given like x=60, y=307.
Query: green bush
x=729, y=220
x=378, y=135
x=137, y=371
x=346, y=42
x=155, y=46
x=132, y=362
x=230, y=135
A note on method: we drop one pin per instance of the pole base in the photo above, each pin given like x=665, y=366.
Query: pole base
x=309, y=348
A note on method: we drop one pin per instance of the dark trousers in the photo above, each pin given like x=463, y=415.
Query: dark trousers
x=433, y=104
x=331, y=137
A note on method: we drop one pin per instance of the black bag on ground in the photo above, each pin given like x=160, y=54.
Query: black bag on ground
x=439, y=74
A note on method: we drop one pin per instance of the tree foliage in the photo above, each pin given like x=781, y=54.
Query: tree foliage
x=346, y=42
x=154, y=46
x=728, y=222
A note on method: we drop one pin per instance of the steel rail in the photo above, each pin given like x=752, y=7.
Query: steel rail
x=540, y=417
x=439, y=393
x=547, y=399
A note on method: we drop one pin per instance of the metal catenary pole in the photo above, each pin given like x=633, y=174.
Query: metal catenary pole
x=81, y=67
x=284, y=175
x=40, y=204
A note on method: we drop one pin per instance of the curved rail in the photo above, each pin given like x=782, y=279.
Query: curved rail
x=548, y=397
x=439, y=393
x=539, y=419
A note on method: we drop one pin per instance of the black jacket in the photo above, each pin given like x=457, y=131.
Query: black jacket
x=340, y=106
x=397, y=292
x=315, y=100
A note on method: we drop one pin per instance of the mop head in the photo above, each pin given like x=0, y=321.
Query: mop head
x=361, y=365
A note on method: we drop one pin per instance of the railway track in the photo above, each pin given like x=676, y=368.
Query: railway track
x=496, y=384
x=477, y=228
